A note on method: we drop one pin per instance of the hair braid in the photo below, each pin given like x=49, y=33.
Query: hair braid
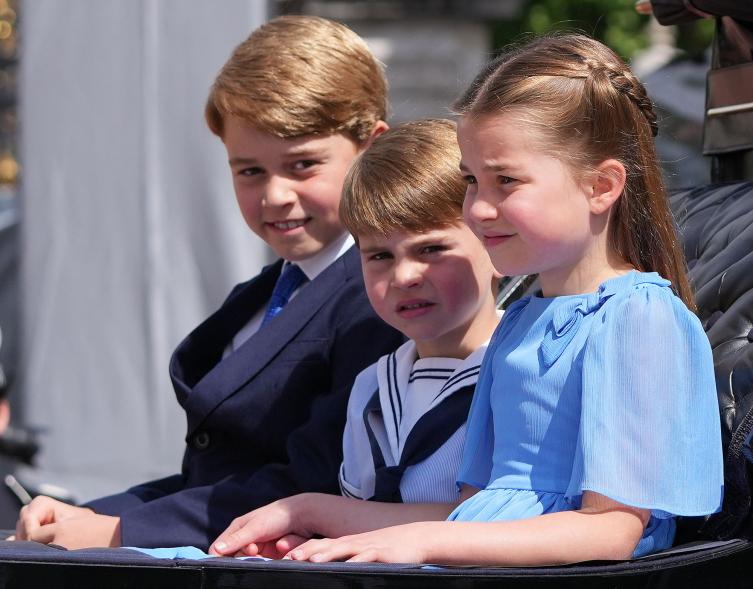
x=625, y=83
x=587, y=106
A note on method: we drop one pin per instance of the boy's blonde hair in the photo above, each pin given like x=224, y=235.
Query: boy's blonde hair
x=300, y=75
x=408, y=180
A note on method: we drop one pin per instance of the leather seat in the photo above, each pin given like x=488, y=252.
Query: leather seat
x=716, y=229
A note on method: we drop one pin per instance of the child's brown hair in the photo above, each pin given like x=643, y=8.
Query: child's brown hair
x=300, y=75
x=586, y=106
x=408, y=180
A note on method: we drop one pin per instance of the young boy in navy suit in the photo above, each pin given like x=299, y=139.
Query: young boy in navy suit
x=427, y=275
x=264, y=381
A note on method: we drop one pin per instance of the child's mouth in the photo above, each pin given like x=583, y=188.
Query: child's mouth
x=413, y=308
x=287, y=225
x=492, y=240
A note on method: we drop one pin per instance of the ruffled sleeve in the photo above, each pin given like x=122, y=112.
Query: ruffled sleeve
x=649, y=435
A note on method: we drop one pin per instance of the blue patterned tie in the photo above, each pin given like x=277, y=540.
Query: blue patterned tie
x=290, y=279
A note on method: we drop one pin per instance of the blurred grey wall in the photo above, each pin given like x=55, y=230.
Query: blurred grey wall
x=429, y=62
x=130, y=231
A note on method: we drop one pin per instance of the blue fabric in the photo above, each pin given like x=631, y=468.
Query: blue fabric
x=176, y=553
x=290, y=279
x=185, y=553
x=611, y=392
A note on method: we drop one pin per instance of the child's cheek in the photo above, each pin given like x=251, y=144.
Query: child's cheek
x=460, y=291
x=376, y=292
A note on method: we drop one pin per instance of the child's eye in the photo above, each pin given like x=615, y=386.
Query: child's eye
x=432, y=249
x=302, y=165
x=252, y=171
x=379, y=256
x=505, y=179
x=469, y=179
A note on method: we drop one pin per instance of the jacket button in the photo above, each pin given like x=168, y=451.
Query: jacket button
x=201, y=440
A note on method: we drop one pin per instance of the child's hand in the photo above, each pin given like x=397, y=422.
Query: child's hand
x=403, y=544
x=89, y=531
x=51, y=521
x=274, y=549
x=43, y=511
x=270, y=531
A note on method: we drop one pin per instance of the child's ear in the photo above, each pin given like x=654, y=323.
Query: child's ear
x=379, y=128
x=606, y=185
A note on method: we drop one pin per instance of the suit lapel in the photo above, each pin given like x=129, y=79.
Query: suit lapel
x=202, y=349
x=235, y=371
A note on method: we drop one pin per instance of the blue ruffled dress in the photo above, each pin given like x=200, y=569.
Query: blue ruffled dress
x=611, y=392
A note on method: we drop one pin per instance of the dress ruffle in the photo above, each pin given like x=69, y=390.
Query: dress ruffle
x=611, y=392
x=493, y=504
x=514, y=504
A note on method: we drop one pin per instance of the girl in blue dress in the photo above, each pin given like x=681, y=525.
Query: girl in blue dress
x=595, y=419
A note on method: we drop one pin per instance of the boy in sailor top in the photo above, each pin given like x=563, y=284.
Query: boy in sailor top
x=428, y=276
x=404, y=435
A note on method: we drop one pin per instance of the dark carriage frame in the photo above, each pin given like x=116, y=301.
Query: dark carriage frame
x=726, y=563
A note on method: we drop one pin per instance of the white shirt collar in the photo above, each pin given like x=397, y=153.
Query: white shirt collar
x=319, y=262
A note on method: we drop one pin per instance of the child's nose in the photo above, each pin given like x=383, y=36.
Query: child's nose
x=278, y=192
x=479, y=208
x=407, y=274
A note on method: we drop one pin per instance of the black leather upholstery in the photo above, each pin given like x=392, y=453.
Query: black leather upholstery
x=716, y=228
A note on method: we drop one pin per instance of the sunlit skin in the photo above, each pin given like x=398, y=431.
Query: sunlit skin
x=533, y=215
x=48, y=520
x=288, y=190
x=530, y=210
x=434, y=287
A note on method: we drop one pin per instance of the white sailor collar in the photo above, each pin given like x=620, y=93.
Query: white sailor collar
x=393, y=375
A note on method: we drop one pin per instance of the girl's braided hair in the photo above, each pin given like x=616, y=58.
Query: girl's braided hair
x=584, y=106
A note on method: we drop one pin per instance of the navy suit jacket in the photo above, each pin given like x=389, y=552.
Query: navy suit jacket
x=267, y=421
